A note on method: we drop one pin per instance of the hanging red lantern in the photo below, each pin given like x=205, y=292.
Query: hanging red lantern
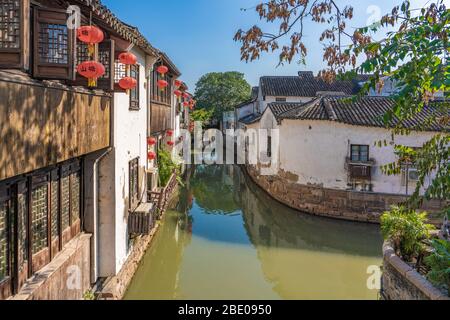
x=151, y=155
x=128, y=83
x=127, y=58
x=178, y=83
x=186, y=95
x=169, y=133
x=178, y=93
x=170, y=143
x=151, y=141
x=186, y=104
x=162, y=84
x=162, y=70
x=92, y=70
x=90, y=35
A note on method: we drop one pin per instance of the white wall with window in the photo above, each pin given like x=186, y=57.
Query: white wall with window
x=318, y=152
x=122, y=171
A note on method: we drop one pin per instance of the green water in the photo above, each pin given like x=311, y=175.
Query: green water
x=229, y=240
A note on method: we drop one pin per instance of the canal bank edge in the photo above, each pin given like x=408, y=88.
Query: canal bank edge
x=337, y=204
x=116, y=287
x=401, y=282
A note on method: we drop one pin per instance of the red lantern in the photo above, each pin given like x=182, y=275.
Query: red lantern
x=178, y=83
x=127, y=58
x=169, y=133
x=151, y=156
x=162, y=84
x=151, y=141
x=128, y=83
x=170, y=143
x=162, y=70
x=178, y=93
x=92, y=70
x=90, y=34
x=186, y=104
x=186, y=95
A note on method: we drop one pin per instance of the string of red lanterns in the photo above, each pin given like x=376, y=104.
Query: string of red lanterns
x=127, y=82
x=92, y=69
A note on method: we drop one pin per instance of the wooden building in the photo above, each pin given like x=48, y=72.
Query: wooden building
x=54, y=134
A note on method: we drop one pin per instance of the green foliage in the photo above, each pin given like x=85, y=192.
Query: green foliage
x=406, y=229
x=166, y=167
x=89, y=296
x=202, y=115
x=416, y=57
x=219, y=92
x=439, y=262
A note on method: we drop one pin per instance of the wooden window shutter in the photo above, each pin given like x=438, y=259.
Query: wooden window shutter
x=106, y=57
x=53, y=45
x=14, y=34
x=120, y=71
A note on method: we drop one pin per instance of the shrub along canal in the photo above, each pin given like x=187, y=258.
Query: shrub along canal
x=228, y=239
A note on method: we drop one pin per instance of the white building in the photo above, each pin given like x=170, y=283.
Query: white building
x=289, y=89
x=330, y=143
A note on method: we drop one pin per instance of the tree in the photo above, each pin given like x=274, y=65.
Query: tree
x=415, y=56
x=201, y=115
x=220, y=92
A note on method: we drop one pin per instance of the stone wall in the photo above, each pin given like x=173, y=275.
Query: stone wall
x=67, y=277
x=402, y=282
x=333, y=203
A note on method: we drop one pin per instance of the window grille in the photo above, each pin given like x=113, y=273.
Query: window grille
x=53, y=43
x=10, y=24
x=134, y=93
x=4, y=239
x=134, y=183
x=39, y=218
x=120, y=71
x=22, y=209
x=65, y=202
x=75, y=196
x=55, y=209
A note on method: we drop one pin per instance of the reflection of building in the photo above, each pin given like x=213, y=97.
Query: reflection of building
x=305, y=256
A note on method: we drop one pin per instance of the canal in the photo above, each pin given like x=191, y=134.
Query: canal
x=228, y=240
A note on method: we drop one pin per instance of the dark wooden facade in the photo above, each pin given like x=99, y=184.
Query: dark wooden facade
x=42, y=126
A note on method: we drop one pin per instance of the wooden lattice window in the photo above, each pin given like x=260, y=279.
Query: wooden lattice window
x=14, y=33
x=134, y=93
x=39, y=218
x=22, y=225
x=75, y=180
x=4, y=240
x=134, y=183
x=10, y=12
x=65, y=202
x=120, y=71
x=54, y=207
x=106, y=57
x=53, y=43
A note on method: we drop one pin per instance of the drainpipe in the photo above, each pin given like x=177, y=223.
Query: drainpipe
x=96, y=236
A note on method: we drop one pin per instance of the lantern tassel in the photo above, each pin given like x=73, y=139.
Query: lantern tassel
x=92, y=82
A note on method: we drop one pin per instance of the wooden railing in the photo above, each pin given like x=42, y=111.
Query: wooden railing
x=161, y=197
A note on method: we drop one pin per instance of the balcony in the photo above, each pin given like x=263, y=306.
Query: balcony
x=360, y=170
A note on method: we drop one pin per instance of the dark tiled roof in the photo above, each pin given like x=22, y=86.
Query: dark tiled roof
x=279, y=108
x=126, y=31
x=305, y=85
x=251, y=118
x=367, y=111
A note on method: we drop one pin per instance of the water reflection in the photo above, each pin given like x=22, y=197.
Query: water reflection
x=228, y=240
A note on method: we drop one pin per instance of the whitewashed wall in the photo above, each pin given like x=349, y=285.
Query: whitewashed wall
x=130, y=142
x=316, y=151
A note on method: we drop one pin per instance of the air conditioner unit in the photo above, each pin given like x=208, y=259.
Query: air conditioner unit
x=413, y=175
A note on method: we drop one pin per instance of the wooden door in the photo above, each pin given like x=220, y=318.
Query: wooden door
x=21, y=236
x=6, y=272
x=55, y=207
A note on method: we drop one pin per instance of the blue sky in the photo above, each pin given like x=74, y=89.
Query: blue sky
x=198, y=34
